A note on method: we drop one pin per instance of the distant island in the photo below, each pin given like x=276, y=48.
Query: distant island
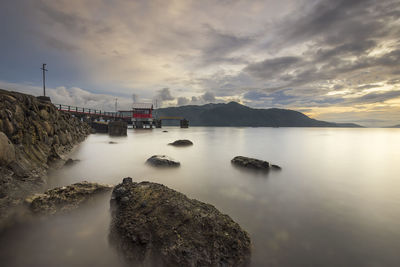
x=235, y=114
x=394, y=126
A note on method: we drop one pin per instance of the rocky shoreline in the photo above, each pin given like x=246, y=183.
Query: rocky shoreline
x=149, y=221
x=34, y=135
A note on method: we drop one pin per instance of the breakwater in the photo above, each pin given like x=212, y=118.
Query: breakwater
x=33, y=136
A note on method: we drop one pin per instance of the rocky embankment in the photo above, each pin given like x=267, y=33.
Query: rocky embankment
x=157, y=226
x=33, y=134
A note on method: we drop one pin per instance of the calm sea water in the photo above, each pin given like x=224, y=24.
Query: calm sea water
x=336, y=201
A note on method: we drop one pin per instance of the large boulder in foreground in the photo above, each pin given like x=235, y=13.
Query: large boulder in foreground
x=158, y=226
x=162, y=161
x=65, y=199
x=252, y=163
x=182, y=142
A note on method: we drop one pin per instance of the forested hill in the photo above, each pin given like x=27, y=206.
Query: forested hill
x=235, y=114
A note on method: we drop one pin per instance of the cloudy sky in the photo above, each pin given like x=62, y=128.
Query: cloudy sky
x=335, y=60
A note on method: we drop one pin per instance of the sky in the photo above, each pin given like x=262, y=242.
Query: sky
x=334, y=60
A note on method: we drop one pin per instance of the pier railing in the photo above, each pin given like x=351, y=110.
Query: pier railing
x=88, y=111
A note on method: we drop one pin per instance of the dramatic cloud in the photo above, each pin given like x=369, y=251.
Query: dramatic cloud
x=329, y=59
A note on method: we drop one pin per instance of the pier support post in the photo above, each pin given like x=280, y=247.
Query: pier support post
x=184, y=123
x=117, y=128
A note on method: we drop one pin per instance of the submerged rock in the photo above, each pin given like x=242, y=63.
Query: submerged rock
x=65, y=199
x=70, y=162
x=165, y=131
x=253, y=163
x=183, y=142
x=162, y=161
x=154, y=224
x=112, y=143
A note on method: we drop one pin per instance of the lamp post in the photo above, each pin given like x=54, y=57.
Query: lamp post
x=44, y=78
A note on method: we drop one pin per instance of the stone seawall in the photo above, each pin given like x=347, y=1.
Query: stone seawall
x=33, y=135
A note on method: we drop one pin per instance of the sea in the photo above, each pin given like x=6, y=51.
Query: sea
x=336, y=201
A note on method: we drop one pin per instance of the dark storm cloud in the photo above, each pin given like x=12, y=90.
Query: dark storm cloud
x=254, y=95
x=268, y=68
x=70, y=21
x=340, y=36
x=221, y=45
x=338, y=22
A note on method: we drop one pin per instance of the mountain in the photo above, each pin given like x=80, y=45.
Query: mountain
x=394, y=126
x=235, y=114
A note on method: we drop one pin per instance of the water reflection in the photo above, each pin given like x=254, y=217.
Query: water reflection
x=335, y=202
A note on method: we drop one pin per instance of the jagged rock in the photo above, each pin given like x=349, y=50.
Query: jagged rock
x=253, y=163
x=7, y=151
x=65, y=199
x=162, y=161
x=182, y=142
x=158, y=226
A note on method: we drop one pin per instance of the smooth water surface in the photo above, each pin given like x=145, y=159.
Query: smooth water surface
x=336, y=201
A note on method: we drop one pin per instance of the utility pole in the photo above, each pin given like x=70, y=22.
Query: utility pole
x=44, y=78
x=116, y=104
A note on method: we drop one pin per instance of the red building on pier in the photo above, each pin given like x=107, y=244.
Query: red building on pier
x=141, y=115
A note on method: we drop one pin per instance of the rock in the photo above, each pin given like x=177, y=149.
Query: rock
x=117, y=128
x=44, y=114
x=8, y=127
x=162, y=161
x=48, y=128
x=154, y=224
x=7, y=151
x=56, y=140
x=165, y=131
x=65, y=199
x=253, y=163
x=63, y=138
x=276, y=167
x=182, y=142
x=112, y=142
x=70, y=162
x=92, y=130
